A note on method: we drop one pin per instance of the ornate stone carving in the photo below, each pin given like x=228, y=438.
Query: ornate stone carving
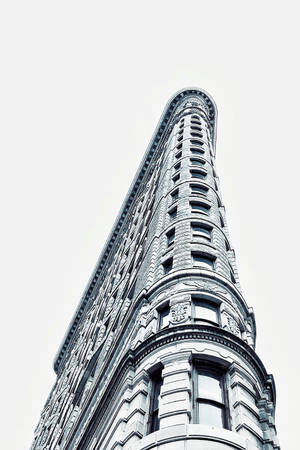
x=233, y=325
x=179, y=312
x=101, y=333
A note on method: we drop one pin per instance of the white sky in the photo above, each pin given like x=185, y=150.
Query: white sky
x=82, y=87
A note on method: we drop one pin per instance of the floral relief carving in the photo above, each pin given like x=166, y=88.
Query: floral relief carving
x=232, y=325
x=179, y=312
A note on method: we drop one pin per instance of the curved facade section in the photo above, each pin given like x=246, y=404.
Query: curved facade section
x=161, y=351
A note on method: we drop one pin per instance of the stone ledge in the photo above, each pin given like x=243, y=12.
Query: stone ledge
x=195, y=432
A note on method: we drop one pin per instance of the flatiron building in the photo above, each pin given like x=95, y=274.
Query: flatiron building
x=160, y=353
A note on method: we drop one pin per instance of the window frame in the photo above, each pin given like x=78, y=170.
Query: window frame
x=206, y=207
x=203, y=235
x=206, y=256
x=197, y=151
x=168, y=265
x=201, y=172
x=153, y=418
x=197, y=162
x=170, y=238
x=176, y=177
x=194, y=186
x=173, y=213
x=174, y=195
x=210, y=305
x=163, y=311
x=216, y=371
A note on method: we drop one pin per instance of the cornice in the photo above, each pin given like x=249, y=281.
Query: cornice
x=158, y=137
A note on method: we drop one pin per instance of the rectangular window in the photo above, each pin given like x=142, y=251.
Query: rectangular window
x=200, y=207
x=205, y=312
x=209, y=397
x=201, y=260
x=200, y=230
x=173, y=213
x=176, y=178
x=178, y=155
x=198, y=189
x=177, y=167
x=198, y=174
x=154, y=402
x=168, y=266
x=197, y=151
x=171, y=237
x=174, y=195
x=197, y=162
x=164, y=317
x=221, y=221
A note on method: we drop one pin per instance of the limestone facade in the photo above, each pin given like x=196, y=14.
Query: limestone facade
x=160, y=353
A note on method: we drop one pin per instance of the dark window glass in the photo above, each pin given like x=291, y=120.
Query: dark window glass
x=201, y=231
x=154, y=402
x=198, y=189
x=173, y=213
x=176, y=178
x=178, y=155
x=196, y=142
x=168, y=265
x=177, y=166
x=196, y=128
x=171, y=237
x=197, y=135
x=197, y=162
x=200, y=207
x=164, y=317
x=174, y=195
x=198, y=174
x=197, y=151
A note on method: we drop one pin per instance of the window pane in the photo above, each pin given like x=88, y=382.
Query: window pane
x=209, y=387
x=196, y=174
x=205, y=312
x=201, y=261
x=200, y=207
x=156, y=393
x=200, y=229
x=155, y=422
x=197, y=188
x=210, y=414
x=164, y=318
